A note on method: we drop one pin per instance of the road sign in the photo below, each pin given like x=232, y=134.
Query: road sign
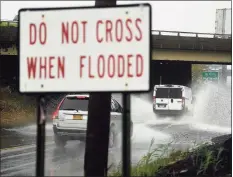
x=210, y=75
x=83, y=50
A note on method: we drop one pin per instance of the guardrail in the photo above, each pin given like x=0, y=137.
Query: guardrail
x=6, y=23
x=190, y=34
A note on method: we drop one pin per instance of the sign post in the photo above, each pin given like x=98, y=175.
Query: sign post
x=81, y=52
x=41, y=117
x=126, y=141
x=98, y=125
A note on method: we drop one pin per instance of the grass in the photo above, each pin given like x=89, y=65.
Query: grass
x=203, y=160
x=16, y=110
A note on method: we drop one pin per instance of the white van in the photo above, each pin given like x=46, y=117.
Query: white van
x=172, y=100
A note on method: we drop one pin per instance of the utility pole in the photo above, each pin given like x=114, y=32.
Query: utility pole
x=97, y=138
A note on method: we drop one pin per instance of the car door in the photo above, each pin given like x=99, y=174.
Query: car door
x=116, y=114
x=175, y=101
x=161, y=98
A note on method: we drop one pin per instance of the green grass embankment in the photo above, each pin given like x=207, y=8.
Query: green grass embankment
x=16, y=110
x=203, y=161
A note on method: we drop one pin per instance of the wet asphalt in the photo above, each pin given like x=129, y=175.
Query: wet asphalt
x=18, y=146
x=21, y=160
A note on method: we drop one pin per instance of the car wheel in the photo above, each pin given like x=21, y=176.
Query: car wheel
x=59, y=141
x=112, y=137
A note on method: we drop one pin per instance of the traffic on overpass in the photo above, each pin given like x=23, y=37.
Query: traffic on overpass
x=137, y=92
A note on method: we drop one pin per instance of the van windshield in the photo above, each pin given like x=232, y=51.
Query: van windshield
x=169, y=93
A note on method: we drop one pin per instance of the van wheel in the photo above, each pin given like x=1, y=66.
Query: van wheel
x=59, y=141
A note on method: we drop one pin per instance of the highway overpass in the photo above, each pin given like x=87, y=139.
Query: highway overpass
x=173, y=52
x=166, y=45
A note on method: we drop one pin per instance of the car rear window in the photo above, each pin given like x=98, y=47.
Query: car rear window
x=175, y=93
x=75, y=103
x=162, y=92
x=168, y=93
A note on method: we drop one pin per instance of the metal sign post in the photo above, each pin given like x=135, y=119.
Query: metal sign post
x=126, y=138
x=40, y=150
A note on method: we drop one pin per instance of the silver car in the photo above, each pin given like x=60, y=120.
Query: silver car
x=70, y=120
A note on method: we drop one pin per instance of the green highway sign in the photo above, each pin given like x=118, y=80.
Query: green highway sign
x=210, y=75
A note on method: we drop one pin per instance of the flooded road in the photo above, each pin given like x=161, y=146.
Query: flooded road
x=11, y=139
x=182, y=133
x=21, y=161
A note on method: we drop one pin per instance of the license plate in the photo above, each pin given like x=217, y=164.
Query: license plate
x=162, y=105
x=77, y=117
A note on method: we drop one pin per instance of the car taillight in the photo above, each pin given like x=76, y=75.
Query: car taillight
x=154, y=98
x=55, y=114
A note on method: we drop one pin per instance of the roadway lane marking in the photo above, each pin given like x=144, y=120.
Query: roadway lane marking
x=23, y=154
x=27, y=164
x=51, y=169
x=15, y=147
x=18, y=148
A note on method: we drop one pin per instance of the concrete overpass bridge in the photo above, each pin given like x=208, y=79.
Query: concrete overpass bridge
x=173, y=52
x=166, y=45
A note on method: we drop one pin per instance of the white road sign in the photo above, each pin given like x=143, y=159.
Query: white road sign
x=85, y=49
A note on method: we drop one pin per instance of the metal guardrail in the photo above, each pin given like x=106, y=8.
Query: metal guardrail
x=191, y=34
x=7, y=23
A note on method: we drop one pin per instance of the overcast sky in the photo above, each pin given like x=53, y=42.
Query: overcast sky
x=191, y=16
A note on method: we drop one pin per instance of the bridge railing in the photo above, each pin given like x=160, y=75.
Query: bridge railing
x=7, y=23
x=191, y=34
